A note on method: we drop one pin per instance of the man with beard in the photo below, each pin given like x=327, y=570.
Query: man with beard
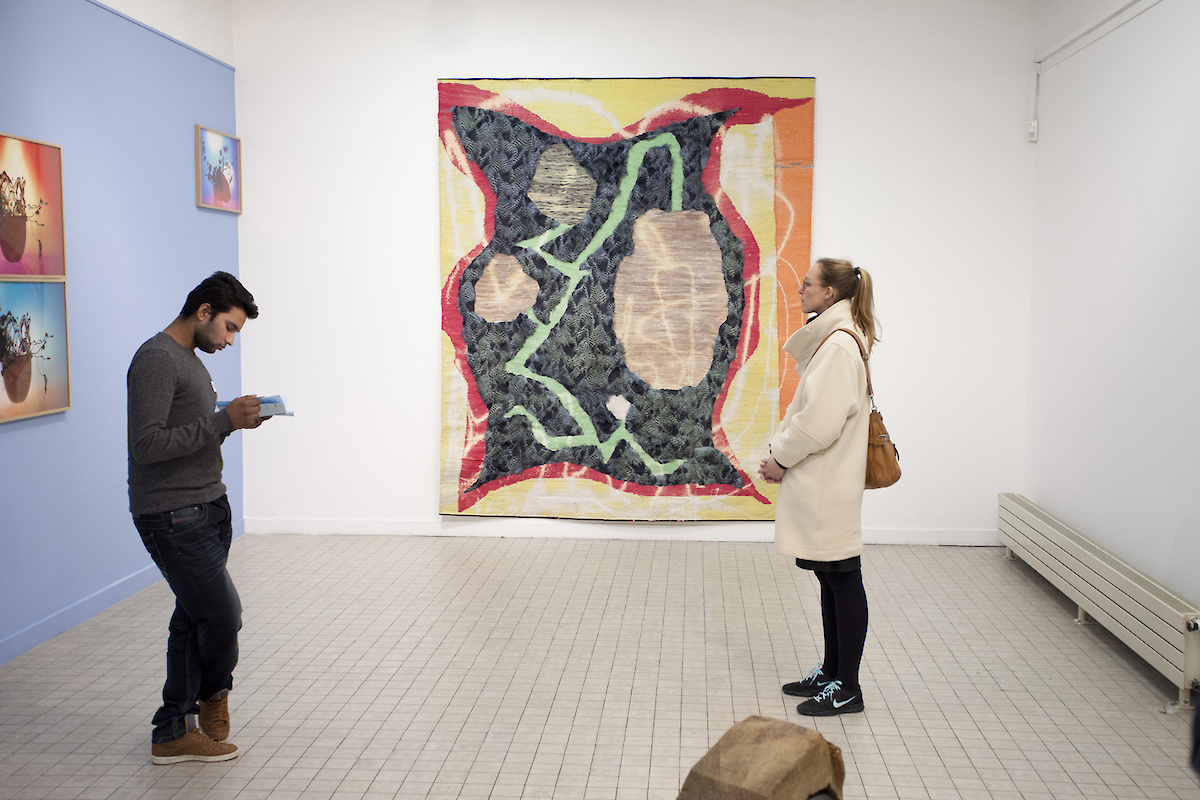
x=180, y=509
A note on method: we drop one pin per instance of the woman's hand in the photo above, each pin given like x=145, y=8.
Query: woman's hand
x=770, y=471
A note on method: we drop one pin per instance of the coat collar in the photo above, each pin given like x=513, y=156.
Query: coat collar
x=803, y=343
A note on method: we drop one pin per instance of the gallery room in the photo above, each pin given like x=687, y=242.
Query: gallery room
x=447, y=593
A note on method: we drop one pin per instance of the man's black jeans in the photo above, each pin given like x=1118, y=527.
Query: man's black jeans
x=190, y=546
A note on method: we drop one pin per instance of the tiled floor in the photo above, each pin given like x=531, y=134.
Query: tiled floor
x=391, y=667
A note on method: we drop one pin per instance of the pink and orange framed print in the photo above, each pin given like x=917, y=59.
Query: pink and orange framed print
x=31, y=209
x=218, y=170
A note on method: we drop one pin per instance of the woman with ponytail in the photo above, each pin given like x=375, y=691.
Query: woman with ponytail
x=818, y=455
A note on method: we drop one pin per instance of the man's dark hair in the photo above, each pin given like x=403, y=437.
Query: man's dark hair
x=222, y=292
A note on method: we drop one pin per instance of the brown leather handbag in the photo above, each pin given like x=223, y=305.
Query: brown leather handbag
x=883, y=459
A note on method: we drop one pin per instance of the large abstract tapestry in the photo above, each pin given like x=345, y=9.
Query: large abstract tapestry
x=617, y=257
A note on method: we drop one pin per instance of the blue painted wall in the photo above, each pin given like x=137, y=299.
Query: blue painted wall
x=121, y=101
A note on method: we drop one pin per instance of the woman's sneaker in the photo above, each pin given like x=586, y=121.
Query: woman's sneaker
x=832, y=700
x=811, y=686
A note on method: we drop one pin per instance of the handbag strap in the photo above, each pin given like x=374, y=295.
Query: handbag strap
x=862, y=351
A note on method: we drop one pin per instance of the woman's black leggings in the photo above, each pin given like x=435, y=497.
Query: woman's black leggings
x=844, y=618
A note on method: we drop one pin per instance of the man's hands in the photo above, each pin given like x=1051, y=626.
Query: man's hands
x=770, y=471
x=243, y=411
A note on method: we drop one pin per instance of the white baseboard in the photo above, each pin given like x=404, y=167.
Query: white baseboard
x=987, y=537
x=509, y=527
x=522, y=528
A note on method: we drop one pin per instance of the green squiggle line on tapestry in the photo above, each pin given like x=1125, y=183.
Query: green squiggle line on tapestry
x=607, y=447
x=518, y=365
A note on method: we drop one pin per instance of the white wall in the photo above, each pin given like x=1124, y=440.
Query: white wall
x=1063, y=19
x=923, y=176
x=1116, y=270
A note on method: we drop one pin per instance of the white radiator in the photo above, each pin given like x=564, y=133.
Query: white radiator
x=1157, y=624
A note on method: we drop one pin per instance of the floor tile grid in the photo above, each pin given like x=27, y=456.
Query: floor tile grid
x=1056, y=705
x=609, y=671
x=350, y=768
x=318, y=692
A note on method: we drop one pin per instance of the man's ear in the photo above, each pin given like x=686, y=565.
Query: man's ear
x=204, y=311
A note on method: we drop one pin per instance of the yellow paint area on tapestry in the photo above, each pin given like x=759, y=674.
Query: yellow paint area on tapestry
x=574, y=497
x=454, y=429
x=751, y=404
x=461, y=217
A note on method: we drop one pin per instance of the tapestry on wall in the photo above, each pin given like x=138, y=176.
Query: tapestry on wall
x=618, y=258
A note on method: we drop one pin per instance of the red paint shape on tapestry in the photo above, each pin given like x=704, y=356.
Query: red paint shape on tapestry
x=473, y=441
x=752, y=107
x=563, y=469
x=451, y=95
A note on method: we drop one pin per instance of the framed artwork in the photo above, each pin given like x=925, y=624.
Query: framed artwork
x=218, y=170
x=616, y=262
x=33, y=349
x=31, y=208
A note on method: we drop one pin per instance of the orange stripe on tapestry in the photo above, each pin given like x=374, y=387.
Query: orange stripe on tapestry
x=793, y=226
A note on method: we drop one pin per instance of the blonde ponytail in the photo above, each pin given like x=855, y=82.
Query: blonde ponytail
x=850, y=281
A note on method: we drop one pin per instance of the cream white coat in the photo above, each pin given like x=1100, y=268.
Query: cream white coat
x=822, y=443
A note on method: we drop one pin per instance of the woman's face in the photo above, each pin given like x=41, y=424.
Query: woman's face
x=815, y=297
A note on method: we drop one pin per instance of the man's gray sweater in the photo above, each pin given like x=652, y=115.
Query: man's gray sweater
x=175, y=431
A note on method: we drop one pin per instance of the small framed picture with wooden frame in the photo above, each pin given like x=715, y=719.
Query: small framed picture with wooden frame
x=33, y=348
x=31, y=209
x=218, y=170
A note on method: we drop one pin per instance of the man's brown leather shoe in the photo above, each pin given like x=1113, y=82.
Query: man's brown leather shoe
x=192, y=746
x=214, y=716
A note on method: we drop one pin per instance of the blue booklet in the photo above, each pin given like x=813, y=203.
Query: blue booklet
x=272, y=406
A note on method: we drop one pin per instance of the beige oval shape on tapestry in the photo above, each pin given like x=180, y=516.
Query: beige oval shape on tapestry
x=670, y=299
x=504, y=291
x=561, y=187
